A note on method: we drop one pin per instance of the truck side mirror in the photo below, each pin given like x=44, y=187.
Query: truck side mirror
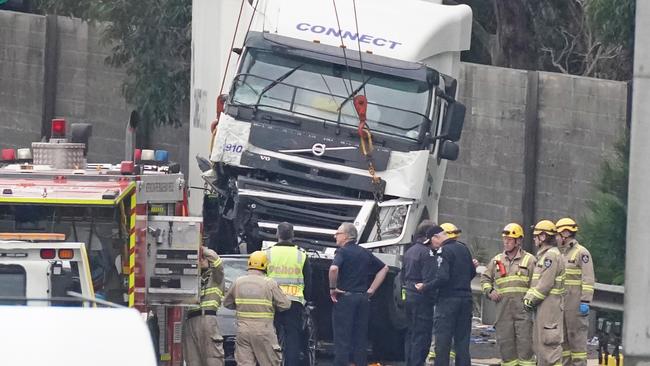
x=452, y=125
x=448, y=150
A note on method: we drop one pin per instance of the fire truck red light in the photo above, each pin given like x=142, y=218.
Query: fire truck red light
x=58, y=127
x=8, y=154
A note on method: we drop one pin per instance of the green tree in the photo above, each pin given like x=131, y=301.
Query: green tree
x=151, y=40
x=603, y=229
x=579, y=37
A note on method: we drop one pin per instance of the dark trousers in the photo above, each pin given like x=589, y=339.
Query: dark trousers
x=419, y=313
x=453, y=323
x=350, y=325
x=291, y=323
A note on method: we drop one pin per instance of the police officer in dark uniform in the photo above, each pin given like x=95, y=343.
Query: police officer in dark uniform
x=348, y=279
x=417, y=267
x=453, y=316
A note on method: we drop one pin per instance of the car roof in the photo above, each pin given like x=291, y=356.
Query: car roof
x=74, y=336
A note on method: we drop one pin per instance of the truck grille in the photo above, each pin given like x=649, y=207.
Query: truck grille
x=325, y=216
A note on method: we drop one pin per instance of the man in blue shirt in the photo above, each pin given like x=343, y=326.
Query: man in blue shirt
x=348, y=279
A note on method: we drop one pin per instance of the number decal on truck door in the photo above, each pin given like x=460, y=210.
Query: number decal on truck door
x=265, y=158
x=233, y=148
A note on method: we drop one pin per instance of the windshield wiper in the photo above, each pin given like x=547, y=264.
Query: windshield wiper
x=354, y=92
x=277, y=81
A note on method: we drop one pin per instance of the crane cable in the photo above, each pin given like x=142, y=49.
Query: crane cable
x=220, y=98
x=365, y=135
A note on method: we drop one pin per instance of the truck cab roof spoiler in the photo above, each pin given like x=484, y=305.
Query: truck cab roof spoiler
x=327, y=53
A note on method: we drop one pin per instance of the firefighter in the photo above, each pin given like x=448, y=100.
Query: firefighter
x=505, y=281
x=453, y=314
x=256, y=298
x=348, y=277
x=289, y=267
x=418, y=265
x=579, y=283
x=546, y=296
x=201, y=339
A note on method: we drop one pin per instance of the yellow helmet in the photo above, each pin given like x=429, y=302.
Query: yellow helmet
x=257, y=260
x=544, y=226
x=513, y=230
x=566, y=223
x=452, y=231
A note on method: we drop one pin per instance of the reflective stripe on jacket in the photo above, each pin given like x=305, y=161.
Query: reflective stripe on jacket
x=579, y=272
x=519, y=271
x=212, y=286
x=548, y=277
x=256, y=297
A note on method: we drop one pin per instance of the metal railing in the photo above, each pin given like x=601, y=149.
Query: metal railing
x=606, y=297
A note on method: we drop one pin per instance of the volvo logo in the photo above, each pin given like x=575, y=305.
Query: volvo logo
x=318, y=149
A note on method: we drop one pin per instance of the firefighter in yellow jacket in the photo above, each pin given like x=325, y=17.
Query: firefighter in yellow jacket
x=505, y=281
x=579, y=283
x=546, y=296
x=201, y=340
x=256, y=297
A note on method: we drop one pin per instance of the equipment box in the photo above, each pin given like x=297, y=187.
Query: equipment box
x=171, y=266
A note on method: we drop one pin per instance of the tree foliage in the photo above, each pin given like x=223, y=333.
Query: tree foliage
x=151, y=40
x=580, y=37
x=603, y=230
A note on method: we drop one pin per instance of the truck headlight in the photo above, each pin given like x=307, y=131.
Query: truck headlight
x=391, y=220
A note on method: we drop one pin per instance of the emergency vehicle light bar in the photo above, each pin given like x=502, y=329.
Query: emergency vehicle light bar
x=33, y=236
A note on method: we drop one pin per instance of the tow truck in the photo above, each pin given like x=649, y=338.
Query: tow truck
x=332, y=111
x=129, y=222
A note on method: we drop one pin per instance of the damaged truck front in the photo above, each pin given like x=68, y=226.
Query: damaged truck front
x=292, y=143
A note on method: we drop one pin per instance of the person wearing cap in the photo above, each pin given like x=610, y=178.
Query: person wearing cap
x=256, y=298
x=289, y=266
x=579, y=283
x=348, y=277
x=453, y=313
x=505, y=281
x=546, y=296
x=201, y=340
x=453, y=232
x=417, y=267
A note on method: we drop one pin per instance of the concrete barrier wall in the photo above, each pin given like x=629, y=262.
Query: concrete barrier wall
x=578, y=119
x=87, y=90
x=22, y=44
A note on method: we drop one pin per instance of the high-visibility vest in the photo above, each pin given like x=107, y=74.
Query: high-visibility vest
x=285, y=264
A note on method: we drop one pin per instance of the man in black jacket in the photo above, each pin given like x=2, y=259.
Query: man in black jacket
x=417, y=267
x=453, y=317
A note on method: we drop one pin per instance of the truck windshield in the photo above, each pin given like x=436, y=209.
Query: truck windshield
x=312, y=88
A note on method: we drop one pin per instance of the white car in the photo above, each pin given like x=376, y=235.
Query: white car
x=74, y=336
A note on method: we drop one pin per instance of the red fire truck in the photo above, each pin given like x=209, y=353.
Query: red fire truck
x=142, y=247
